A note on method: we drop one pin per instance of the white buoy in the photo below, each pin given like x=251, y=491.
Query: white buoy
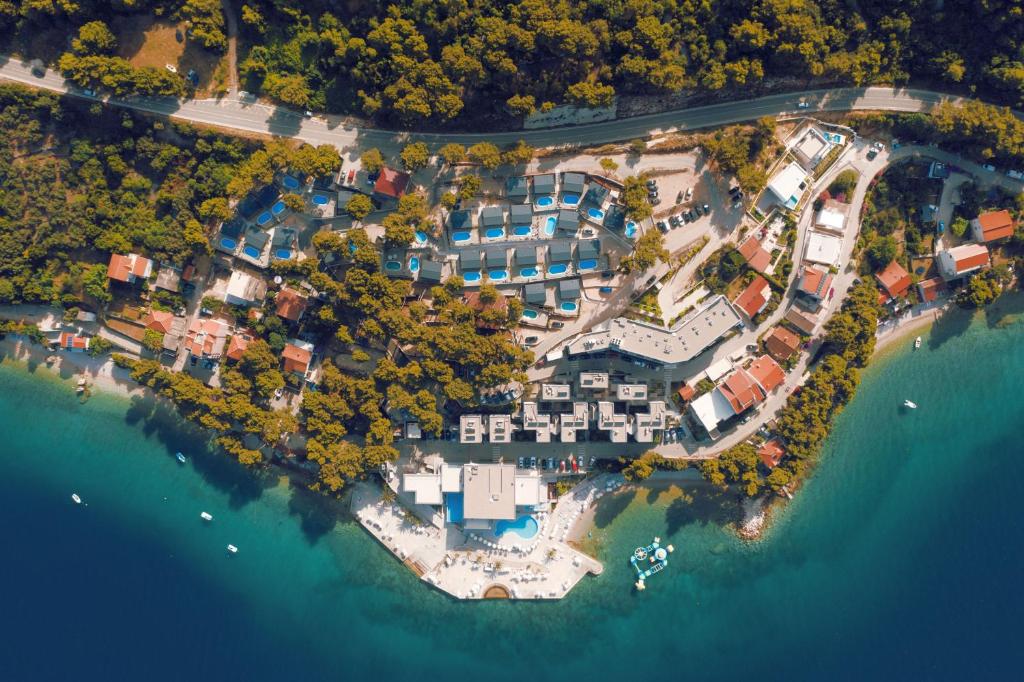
x=206, y=516
x=670, y=548
x=232, y=549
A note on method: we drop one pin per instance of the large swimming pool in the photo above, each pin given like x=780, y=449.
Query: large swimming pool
x=264, y=218
x=525, y=527
x=549, y=226
x=557, y=269
x=527, y=272
x=495, y=232
x=570, y=199
x=459, y=237
x=544, y=202
x=228, y=243
x=321, y=199
x=251, y=252
x=497, y=275
x=277, y=208
x=289, y=182
x=283, y=254
x=472, y=276
x=595, y=213
x=588, y=264
x=570, y=306
x=522, y=230
x=530, y=314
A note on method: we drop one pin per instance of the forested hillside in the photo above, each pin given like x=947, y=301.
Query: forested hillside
x=414, y=60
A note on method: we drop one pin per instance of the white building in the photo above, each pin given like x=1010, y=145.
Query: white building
x=830, y=219
x=630, y=392
x=571, y=423
x=788, y=185
x=471, y=428
x=537, y=422
x=823, y=249
x=812, y=147
x=961, y=260
x=499, y=428
x=617, y=425
x=555, y=392
x=244, y=289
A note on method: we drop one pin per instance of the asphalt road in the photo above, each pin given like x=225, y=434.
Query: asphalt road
x=348, y=137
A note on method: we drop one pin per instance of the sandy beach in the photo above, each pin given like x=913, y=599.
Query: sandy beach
x=907, y=325
x=100, y=372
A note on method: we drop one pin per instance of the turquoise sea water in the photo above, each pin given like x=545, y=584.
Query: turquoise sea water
x=899, y=560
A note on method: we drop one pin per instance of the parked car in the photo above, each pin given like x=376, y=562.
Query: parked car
x=551, y=462
x=593, y=461
x=707, y=209
x=685, y=216
x=278, y=393
x=691, y=216
x=662, y=226
x=89, y=92
x=674, y=221
x=533, y=462
x=803, y=105
x=555, y=324
x=205, y=311
x=696, y=211
x=1015, y=174
x=689, y=193
x=734, y=190
x=607, y=274
x=531, y=340
x=989, y=167
x=38, y=68
x=872, y=153
x=654, y=201
x=521, y=463
x=652, y=185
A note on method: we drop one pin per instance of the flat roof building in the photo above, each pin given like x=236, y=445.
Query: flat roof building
x=560, y=252
x=572, y=422
x=645, y=425
x=430, y=271
x=497, y=257
x=830, y=218
x=492, y=216
x=573, y=183
x=489, y=491
x=569, y=289
x=630, y=392
x=539, y=423
x=544, y=184
x=615, y=424
x=568, y=220
x=555, y=392
x=594, y=381
x=526, y=255
x=470, y=260
x=499, y=428
x=824, y=249
x=788, y=185
x=517, y=187
x=520, y=214
x=589, y=249
x=535, y=293
x=244, y=289
x=471, y=428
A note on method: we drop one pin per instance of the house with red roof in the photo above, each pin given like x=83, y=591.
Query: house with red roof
x=73, y=342
x=767, y=373
x=894, y=280
x=930, y=288
x=205, y=338
x=129, y=268
x=290, y=304
x=755, y=297
x=390, y=185
x=781, y=343
x=755, y=255
x=771, y=453
x=814, y=283
x=296, y=357
x=240, y=340
x=742, y=391
x=159, y=320
x=992, y=226
x=962, y=260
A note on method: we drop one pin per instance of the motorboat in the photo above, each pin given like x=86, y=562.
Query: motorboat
x=232, y=549
x=181, y=457
x=75, y=498
x=910, y=404
x=917, y=343
x=206, y=516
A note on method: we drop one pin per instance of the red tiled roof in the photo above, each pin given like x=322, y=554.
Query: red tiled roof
x=756, y=257
x=755, y=297
x=71, y=341
x=894, y=279
x=128, y=268
x=930, y=288
x=801, y=320
x=815, y=282
x=686, y=392
x=771, y=453
x=969, y=256
x=995, y=225
x=159, y=320
x=296, y=359
x=782, y=343
x=205, y=337
x=391, y=183
x=767, y=373
x=237, y=345
x=742, y=392
x=290, y=304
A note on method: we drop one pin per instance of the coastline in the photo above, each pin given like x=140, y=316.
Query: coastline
x=100, y=372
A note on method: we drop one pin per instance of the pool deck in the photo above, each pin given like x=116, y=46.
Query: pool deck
x=465, y=566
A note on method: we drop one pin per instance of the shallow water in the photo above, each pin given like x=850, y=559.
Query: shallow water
x=900, y=558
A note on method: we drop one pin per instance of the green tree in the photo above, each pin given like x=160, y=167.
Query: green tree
x=153, y=341
x=359, y=206
x=372, y=160
x=94, y=38
x=485, y=154
x=959, y=226
x=453, y=153
x=647, y=252
x=415, y=155
x=634, y=197
x=609, y=165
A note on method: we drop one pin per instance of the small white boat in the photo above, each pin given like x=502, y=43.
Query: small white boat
x=206, y=516
x=911, y=405
x=181, y=457
x=75, y=498
x=232, y=549
x=917, y=343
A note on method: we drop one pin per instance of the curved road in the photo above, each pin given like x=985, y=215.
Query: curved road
x=341, y=132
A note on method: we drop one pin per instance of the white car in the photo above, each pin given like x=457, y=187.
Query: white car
x=689, y=193
x=171, y=67
x=989, y=167
x=1015, y=174
x=278, y=393
x=803, y=105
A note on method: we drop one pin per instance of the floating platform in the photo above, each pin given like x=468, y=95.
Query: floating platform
x=649, y=560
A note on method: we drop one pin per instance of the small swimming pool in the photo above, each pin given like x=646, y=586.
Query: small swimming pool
x=458, y=237
x=277, y=208
x=549, y=226
x=393, y=266
x=570, y=199
x=228, y=243
x=595, y=213
x=522, y=230
x=530, y=314
x=630, y=229
x=472, y=276
x=251, y=252
x=497, y=275
x=351, y=247
x=320, y=199
x=528, y=272
x=525, y=527
x=283, y=254
x=414, y=264
x=289, y=182
x=453, y=504
x=421, y=237
x=557, y=269
x=264, y=218
x=495, y=232
x=588, y=264
x=569, y=306
x=544, y=202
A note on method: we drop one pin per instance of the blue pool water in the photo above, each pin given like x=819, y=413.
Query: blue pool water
x=569, y=306
x=251, y=252
x=277, y=208
x=570, y=199
x=557, y=269
x=320, y=199
x=595, y=213
x=473, y=276
x=521, y=230
x=549, y=226
x=588, y=264
x=421, y=237
x=264, y=218
x=530, y=314
x=495, y=232
x=545, y=201
x=528, y=272
x=453, y=503
x=289, y=182
x=631, y=229
x=414, y=264
x=351, y=247
x=392, y=265
x=498, y=275
x=460, y=237
x=228, y=243
x=525, y=527
x=283, y=254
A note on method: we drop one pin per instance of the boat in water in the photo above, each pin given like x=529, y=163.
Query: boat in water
x=232, y=549
x=206, y=516
x=917, y=343
x=75, y=498
x=181, y=457
x=910, y=404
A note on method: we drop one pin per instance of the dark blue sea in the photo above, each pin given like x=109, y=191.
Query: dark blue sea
x=901, y=559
